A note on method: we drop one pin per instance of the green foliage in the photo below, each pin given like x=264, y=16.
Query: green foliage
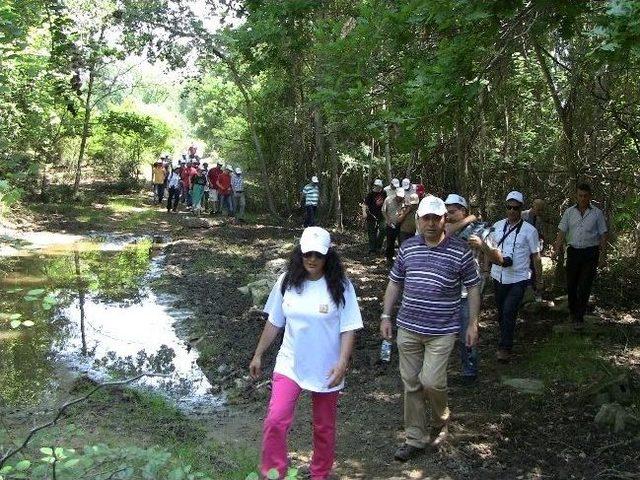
x=99, y=462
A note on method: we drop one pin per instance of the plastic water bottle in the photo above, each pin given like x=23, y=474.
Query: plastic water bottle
x=385, y=351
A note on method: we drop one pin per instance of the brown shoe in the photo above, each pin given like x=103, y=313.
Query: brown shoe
x=503, y=355
x=406, y=452
x=439, y=435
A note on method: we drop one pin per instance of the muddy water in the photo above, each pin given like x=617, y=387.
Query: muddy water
x=88, y=307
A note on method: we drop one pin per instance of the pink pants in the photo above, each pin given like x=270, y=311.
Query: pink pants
x=284, y=397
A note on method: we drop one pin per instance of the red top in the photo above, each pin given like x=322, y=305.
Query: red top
x=213, y=175
x=187, y=175
x=224, y=183
x=420, y=190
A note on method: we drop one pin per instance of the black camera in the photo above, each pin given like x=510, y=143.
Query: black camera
x=507, y=262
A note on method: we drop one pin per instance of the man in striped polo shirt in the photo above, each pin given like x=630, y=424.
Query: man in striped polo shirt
x=430, y=270
x=311, y=198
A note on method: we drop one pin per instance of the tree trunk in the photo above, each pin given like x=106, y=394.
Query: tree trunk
x=320, y=157
x=335, y=180
x=85, y=129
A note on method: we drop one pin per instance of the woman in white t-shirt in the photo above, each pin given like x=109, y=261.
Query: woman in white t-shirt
x=318, y=309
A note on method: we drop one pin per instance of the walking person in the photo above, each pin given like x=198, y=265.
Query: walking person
x=390, y=211
x=158, y=177
x=225, y=194
x=310, y=198
x=239, y=200
x=584, y=229
x=373, y=216
x=517, y=247
x=464, y=226
x=197, y=190
x=207, y=188
x=173, y=182
x=316, y=305
x=429, y=271
x=212, y=179
x=407, y=217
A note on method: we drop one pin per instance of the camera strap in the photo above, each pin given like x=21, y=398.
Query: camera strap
x=516, y=228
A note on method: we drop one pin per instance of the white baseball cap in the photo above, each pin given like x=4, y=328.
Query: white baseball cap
x=400, y=192
x=431, y=205
x=314, y=179
x=413, y=199
x=229, y=167
x=238, y=170
x=315, y=239
x=406, y=183
x=517, y=196
x=395, y=183
x=377, y=182
x=454, y=198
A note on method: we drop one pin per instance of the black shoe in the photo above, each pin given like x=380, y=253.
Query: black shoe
x=406, y=452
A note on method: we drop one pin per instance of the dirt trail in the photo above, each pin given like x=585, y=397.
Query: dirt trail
x=496, y=432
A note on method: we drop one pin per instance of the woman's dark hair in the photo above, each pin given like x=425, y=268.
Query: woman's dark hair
x=333, y=274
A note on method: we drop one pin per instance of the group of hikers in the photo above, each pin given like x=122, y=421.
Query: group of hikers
x=201, y=189
x=444, y=256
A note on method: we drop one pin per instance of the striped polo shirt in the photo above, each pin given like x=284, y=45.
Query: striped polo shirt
x=433, y=278
x=311, y=193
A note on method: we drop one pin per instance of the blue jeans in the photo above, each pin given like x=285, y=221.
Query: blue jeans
x=508, y=299
x=468, y=355
x=226, y=202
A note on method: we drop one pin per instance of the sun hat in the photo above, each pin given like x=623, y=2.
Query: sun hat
x=517, y=196
x=431, y=205
x=455, y=199
x=315, y=239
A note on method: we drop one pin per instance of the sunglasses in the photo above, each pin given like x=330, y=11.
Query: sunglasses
x=318, y=255
x=513, y=207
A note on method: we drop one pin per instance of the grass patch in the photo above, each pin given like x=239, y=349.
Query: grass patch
x=138, y=430
x=568, y=358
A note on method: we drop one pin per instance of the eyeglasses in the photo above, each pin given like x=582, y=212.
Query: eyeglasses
x=513, y=207
x=318, y=255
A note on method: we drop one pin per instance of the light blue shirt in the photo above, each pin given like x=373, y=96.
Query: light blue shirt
x=583, y=231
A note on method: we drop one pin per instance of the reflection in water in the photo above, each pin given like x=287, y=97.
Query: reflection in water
x=108, y=322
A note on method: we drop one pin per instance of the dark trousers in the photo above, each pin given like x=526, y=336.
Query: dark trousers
x=375, y=232
x=158, y=192
x=508, y=299
x=310, y=215
x=582, y=265
x=392, y=237
x=174, y=197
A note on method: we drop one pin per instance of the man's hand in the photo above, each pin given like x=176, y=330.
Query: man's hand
x=386, y=330
x=475, y=242
x=472, y=334
x=255, y=367
x=337, y=374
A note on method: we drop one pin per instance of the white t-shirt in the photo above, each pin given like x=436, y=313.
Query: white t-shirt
x=527, y=243
x=312, y=327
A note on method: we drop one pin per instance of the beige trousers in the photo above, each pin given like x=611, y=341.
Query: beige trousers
x=423, y=368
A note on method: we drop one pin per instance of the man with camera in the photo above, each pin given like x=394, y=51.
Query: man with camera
x=466, y=227
x=517, y=247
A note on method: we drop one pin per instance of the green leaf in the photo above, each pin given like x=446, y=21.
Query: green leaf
x=252, y=476
x=273, y=474
x=46, y=450
x=15, y=323
x=30, y=299
x=71, y=463
x=23, y=465
x=35, y=292
x=28, y=323
x=10, y=316
x=6, y=469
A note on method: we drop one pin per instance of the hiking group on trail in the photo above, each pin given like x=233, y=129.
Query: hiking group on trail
x=200, y=188
x=439, y=269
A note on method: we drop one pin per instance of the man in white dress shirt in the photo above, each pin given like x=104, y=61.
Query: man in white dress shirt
x=584, y=230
